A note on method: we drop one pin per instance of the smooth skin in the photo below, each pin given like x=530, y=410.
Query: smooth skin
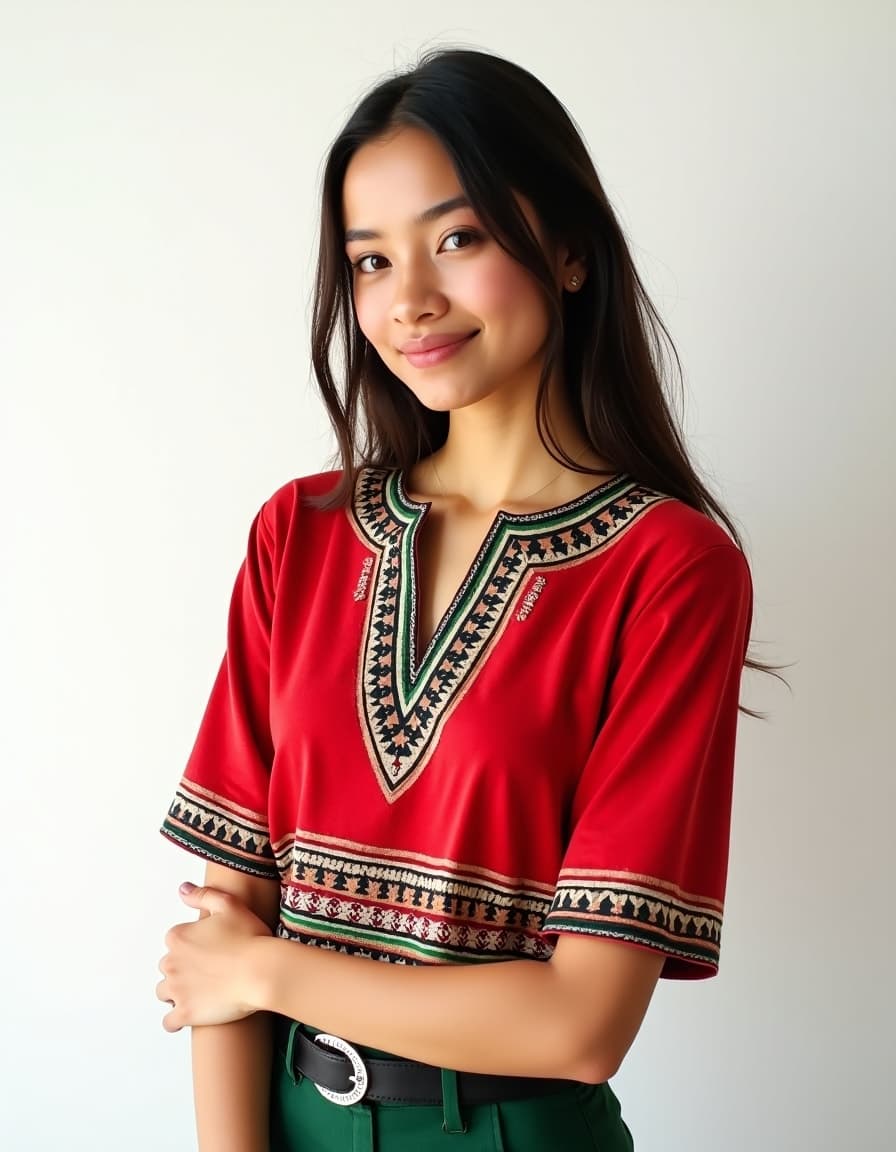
x=424, y=269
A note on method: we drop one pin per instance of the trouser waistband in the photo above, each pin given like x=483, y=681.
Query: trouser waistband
x=346, y=1074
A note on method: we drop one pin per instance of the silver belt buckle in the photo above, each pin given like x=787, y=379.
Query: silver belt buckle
x=358, y=1076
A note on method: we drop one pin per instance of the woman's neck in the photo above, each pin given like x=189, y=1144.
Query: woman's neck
x=496, y=460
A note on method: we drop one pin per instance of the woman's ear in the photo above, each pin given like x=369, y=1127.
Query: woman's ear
x=570, y=270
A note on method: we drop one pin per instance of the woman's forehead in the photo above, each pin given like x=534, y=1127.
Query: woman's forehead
x=398, y=180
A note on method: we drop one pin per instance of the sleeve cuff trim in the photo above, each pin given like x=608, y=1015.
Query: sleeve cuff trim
x=218, y=854
x=642, y=913
x=683, y=961
x=213, y=827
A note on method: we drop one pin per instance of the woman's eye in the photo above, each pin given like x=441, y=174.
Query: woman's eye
x=454, y=241
x=372, y=263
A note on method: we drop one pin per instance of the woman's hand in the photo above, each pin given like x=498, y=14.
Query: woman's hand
x=206, y=970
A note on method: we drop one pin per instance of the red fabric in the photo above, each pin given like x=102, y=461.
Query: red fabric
x=560, y=762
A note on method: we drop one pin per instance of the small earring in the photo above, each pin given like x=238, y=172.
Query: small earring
x=573, y=281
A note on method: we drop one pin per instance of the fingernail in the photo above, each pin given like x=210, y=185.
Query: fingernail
x=186, y=888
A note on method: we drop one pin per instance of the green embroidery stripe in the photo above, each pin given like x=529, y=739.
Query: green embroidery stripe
x=366, y=938
x=407, y=514
x=582, y=509
x=386, y=943
x=405, y=609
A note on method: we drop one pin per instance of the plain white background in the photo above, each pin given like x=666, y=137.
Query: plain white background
x=158, y=182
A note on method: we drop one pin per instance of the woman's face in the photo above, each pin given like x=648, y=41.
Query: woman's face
x=451, y=314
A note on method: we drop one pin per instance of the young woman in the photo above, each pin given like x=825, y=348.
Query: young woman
x=477, y=712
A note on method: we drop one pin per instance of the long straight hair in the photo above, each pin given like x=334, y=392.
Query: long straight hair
x=507, y=135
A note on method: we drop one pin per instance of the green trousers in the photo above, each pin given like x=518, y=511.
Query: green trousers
x=586, y=1118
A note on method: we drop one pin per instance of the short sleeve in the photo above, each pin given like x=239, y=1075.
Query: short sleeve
x=220, y=808
x=647, y=857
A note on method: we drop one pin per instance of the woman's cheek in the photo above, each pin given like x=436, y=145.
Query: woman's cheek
x=489, y=285
x=365, y=314
x=371, y=322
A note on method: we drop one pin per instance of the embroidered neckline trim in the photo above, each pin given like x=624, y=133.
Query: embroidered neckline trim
x=402, y=703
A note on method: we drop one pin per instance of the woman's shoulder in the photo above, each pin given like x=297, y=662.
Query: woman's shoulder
x=671, y=537
x=301, y=498
x=674, y=526
x=314, y=485
x=296, y=514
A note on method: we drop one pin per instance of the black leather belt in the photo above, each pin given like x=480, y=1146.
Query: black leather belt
x=344, y=1076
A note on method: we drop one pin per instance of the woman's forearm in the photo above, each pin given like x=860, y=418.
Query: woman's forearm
x=232, y=1062
x=231, y=1085
x=573, y=1017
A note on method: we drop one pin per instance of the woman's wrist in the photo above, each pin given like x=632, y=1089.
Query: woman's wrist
x=262, y=973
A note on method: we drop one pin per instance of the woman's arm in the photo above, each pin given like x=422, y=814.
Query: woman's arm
x=574, y=1016
x=232, y=1062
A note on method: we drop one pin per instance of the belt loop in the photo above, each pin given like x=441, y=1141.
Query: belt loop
x=362, y=1127
x=296, y=1077
x=452, y=1121
x=497, y=1127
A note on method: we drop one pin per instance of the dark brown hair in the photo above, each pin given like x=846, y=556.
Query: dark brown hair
x=506, y=133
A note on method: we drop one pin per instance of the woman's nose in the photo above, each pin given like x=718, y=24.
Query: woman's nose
x=417, y=297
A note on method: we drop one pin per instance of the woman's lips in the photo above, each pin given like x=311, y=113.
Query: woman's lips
x=426, y=353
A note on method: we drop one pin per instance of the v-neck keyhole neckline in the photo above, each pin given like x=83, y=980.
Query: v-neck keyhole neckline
x=421, y=510
x=404, y=703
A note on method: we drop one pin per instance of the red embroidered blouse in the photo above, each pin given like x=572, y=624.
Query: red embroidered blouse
x=558, y=759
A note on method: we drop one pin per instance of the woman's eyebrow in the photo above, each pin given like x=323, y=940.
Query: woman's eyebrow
x=427, y=216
